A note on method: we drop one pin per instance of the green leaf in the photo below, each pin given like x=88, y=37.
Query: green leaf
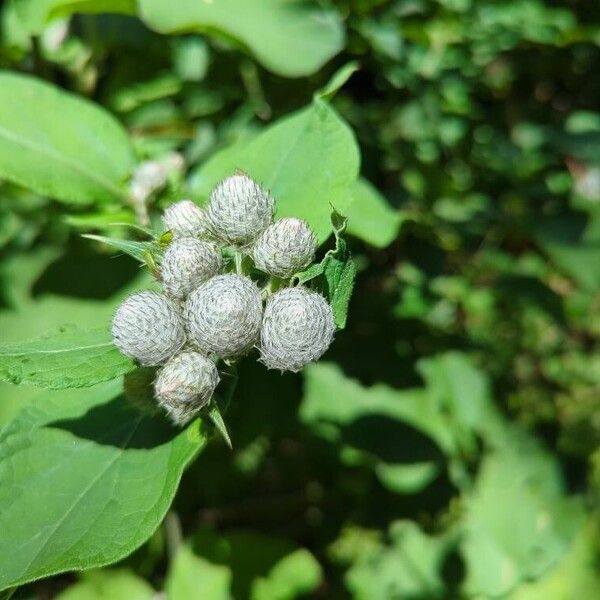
x=576, y=576
x=262, y=566
x=106, y=473
x=370, y=217
x=308, y=160
x=191, y=577
x=69, y=358
x=517, y=523
x=334, y=276
x=574, y=246
x=108, y=584
x=36, y=13
x=137, y=250
x=402, y=435
x=409, y=567
x=288, y=37
x=294, y=575
x=60, y=145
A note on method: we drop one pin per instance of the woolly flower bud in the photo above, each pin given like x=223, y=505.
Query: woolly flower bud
x=185, y=219
x=185, y=384
x=285, y=247
x=188, y=262
x=223, y=315
x=297, y=329
x=239, y=210
x=148, y=327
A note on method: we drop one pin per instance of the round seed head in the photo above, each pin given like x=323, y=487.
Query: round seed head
x=285, y=247
x=148, y=328
x=185, y=384
x=188, y=262
x=297, y=329
x=239, y=210
x=223, y=315
x=185, y=219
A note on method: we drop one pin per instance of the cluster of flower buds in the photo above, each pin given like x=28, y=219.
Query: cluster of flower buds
x=211, y=309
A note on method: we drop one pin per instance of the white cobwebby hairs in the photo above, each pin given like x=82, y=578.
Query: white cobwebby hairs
x=149, y=328
x=185, y=384
x=239, y=210
x=186, y=264
x=285, y=248
x=297, y=328
x=223, y=315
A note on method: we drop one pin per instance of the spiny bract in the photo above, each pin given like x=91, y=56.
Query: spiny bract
x=297, y=328
x=187, y=263
x=185, y=384
x=239, y=210
x=148, y=327
x=185, y=219
x=223, y=315
x=285, y=247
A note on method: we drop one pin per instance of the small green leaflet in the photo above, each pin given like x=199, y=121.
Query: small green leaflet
x=138, y=250
x=334, y=276
x=68, y=358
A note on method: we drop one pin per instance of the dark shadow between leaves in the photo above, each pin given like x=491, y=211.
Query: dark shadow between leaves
x=117, y=423
x=390, y=440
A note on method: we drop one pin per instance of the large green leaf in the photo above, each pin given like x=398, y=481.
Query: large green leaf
x=576, y=576
x=191, y=577
x=308, y=160
x=288, y=37
x=370, y=217
x=109, y=584
x=60, y=145
x=85, y=479
x=67, y=359
x=517, y=523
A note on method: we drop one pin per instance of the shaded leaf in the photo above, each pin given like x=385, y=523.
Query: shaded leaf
x=107, y=475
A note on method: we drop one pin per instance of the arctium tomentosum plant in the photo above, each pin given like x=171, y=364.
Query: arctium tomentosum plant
x=233, y=280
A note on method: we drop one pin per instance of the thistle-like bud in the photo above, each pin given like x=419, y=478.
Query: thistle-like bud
x=297, y=329
x=187, y=263
x=185, y=219
x=239, y=210
x=223, y=315
x=148, y=328
x=185, y=384
x=285, y=247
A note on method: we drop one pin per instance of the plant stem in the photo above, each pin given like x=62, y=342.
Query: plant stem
x=173, y=534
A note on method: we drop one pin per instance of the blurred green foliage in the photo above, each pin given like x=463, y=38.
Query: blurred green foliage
x=447, y=447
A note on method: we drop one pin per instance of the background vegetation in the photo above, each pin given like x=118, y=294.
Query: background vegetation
x=446, y=446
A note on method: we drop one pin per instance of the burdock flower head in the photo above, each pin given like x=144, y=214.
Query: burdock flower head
x=297, y=329
x=223, y=315
x=185, y=385
x=148, y=327
x=285, y=248
x=187, y=263
x=239, y=210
